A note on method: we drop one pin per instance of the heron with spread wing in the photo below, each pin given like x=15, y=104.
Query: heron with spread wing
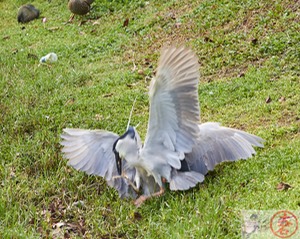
x=177, y=148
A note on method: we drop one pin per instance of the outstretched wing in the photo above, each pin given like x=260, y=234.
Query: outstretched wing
x=91, y=151
x=217, y=144
x=174, y=105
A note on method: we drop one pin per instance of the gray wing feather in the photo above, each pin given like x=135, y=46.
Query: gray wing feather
x=91, y=151
x=174, y=105
x=185, y=180
x=217, y=144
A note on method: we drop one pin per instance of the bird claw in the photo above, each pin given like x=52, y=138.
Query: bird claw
x=143, y=198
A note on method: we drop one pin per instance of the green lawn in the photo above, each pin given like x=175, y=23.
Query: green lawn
x=249, y=54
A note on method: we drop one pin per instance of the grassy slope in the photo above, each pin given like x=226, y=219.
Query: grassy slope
x=248, y=50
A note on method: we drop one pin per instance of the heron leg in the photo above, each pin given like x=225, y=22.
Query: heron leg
x=129, y=181
x=143, y=198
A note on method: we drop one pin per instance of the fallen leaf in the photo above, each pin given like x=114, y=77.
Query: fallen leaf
x=282, y=99
x=243, y=184
x=147, y=61
x=283, y=186
x=126, y=22
x=268, y=100
x=67, y=235
x=70, y=102
x=177, y=24
x=171, y=15
x=107, y=95
x=6, y=37
x=96, y=23
x=207, y=39
x=32, y=221
x=254, y=41
x=98, y=117
x=131, y=85
x=137, y=216
x=241, y=74
x=140, y=72
x=56, y=233
x=58, y=225
x=32, y=56
x=51, y=29
x=15, y=51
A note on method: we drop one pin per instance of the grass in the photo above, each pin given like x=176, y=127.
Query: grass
x=248, y=50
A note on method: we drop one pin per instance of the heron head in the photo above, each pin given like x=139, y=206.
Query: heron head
x=122, y=145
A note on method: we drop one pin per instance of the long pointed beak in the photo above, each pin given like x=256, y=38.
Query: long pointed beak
x=118, y=162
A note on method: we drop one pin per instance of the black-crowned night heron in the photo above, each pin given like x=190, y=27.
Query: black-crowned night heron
x=177, y=149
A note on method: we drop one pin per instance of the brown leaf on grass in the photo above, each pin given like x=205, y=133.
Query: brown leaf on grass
x=32, y=56
x=207, y=39
x=283, y=186
x=63, y=229
x=171, y=15
x=58, y=225
x=14, y=51
x=268, y=100
x=126, y=22
x=52, y=29
x=96, y=23
x=12, y=173
x=70, y=101
x=63, y=224
x=107, y=95
x=57, y=210
x=140, y=72
x=242, y=74
x=177, y=24
x=131, y=85
x=281, y=99
x=137, y=216
x=254, y=41
x=147, y=61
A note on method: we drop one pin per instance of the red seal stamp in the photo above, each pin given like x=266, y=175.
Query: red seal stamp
x=284, y=224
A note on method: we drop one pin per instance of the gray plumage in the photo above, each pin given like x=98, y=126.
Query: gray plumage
x=91, y=151
x=27, y=13
x=177, y=148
